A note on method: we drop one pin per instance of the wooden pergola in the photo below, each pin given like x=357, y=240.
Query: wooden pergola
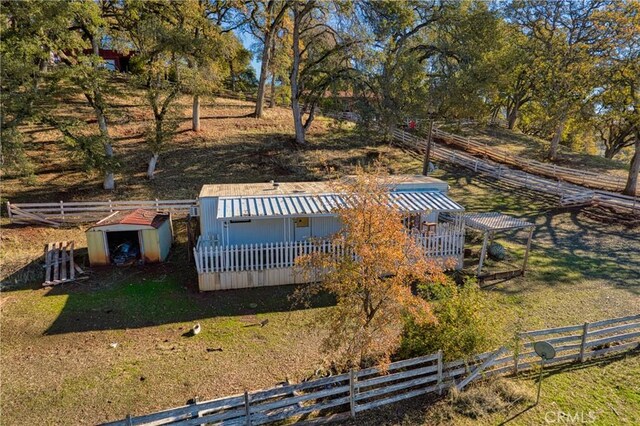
x=490, y=224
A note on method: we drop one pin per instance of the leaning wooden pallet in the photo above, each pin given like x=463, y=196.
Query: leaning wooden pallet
x=59, y=264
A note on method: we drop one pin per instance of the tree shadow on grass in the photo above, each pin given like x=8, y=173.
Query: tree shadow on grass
x=151, y=295
x=184, y=167
x=147, y=300
x=602, y=361
x=567, y=245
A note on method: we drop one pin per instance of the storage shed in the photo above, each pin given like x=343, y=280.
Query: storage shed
x=130, y=237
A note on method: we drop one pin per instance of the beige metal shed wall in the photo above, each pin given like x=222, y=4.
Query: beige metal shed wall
x=96, y=248
x=151, y=243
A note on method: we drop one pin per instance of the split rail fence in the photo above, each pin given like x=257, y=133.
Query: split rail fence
x=55, y=214
x=570, y=194
x=348, y=394
x=580, y=177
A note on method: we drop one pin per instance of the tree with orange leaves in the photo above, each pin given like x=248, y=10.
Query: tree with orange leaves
x=372, y=278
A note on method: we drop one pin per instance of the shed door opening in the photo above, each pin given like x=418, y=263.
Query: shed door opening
x=124, y=247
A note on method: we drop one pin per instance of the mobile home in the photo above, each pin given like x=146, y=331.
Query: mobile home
x=252, y=233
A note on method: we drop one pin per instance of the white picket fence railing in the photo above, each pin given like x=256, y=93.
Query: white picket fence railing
x=257, y=257
x=444, y=243
x=520, y=178
x=357, y=391
x=86, y=211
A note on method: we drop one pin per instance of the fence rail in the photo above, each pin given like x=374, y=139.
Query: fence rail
x=358, y=391
x=581, y=177
x=344, y=115
x=567, y=191
x=444, y=243
x=85, y=211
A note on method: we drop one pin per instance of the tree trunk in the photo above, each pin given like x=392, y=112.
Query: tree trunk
x=555, y=141
x=494, y=115
x=44, y=66
x=98, y=107
x=195, y=125
x=512, y=116
x=272, y=100
x=157, y=144
x=295, y=95
x=233, y=76
x=266, y=55
x=109, y=181
x=297, y=121
x=631, y=188
x=151, y=168
x=610, y=152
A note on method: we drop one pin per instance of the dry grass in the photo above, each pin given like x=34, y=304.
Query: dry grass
x=231, y=147
x=56, y=362
x=535, y=148
x=604, y=392
x=487, y=398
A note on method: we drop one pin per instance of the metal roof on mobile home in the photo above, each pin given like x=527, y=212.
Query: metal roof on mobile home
x=395, y=182
x=323, y=204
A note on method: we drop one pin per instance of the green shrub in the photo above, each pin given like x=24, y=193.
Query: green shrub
x=463, y=327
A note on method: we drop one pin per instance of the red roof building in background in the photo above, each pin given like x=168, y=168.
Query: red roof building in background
x=114, y=60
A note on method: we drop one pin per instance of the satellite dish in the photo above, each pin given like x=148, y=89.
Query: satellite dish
x=544, y=350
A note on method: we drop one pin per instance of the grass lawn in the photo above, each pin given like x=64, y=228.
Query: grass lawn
x=57, y=363
x=604, y=392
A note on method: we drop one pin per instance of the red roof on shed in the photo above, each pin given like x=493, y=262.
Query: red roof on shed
x=136, y=217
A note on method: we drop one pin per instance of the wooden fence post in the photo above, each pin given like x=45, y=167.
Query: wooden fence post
x=352, y=393
x=110, y=206
x=196, y=401
x=247, y=408
x=128, y=420
x=526, y=253
x=440, y=378
x=9, y=210
x=476, y=372
x=585, y=331
x=62, y=209
x=483, y=253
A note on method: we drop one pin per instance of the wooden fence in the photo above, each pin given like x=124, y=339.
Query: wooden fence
x=580, y=177
x=246, y=96
x=569, y=193
x=444, y=243
x=85, y=211
x=357, y=391
x=345, y=115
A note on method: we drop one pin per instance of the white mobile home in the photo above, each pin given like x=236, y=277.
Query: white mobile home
x=252, y=233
